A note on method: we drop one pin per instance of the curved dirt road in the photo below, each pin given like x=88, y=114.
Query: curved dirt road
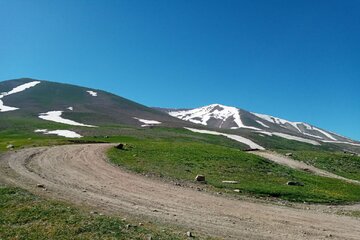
x=67, y=171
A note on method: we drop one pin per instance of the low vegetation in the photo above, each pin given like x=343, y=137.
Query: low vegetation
x=26, y=216
x=183, y=160
x=343, y=164
x=180, y=155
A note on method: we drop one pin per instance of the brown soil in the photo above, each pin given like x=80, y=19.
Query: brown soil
x=82, y=175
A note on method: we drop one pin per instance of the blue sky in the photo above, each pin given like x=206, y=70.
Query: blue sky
x=299, y=60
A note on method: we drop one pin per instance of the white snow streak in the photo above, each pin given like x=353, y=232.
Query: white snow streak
x=55, y=116
x=70, y=108
x=17, y=89
x=4, y=108
x=92, y=93
x=299, y=139
x=246, y=141
x=280, y=121
x=262, y=124
x=277, y=120
x=264, y=132
x=62, y=133
x=290, y=137
x=328, y=135
x=310, y=135
x=350, y=143
x=147, y=122
x=23, y=87
x=204, y=114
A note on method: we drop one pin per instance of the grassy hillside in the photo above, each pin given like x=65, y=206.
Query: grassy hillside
x=103, y=109
x=343, y=164
x=183, y=160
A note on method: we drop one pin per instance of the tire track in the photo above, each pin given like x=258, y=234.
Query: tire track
x=82, y=175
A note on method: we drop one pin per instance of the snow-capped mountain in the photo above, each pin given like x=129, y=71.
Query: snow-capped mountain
x=226, y=117
x=45, y=102
x=45, y=107
x=214, y=115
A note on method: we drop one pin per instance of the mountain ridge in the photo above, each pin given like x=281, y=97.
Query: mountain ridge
x=227, y=117
x=84, y=108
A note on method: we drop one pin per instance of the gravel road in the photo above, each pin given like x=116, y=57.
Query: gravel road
x=82, y=175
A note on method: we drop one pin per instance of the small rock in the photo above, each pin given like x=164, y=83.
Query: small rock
x=230, y=182
x=40, y=185
x=149, y=237
x=93, y=212
x=141, y=224
x=189, y=234
x=120, y=146
x=292, y=183
x=10, y=146
x=84, y=190
x=200, y=178
x=288, y=154
x=127, y=226
x=237, y=190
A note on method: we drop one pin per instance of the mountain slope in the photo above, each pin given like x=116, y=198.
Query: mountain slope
x=43, y=107
x=83, y=106
x=225, y=117
x=72, y=111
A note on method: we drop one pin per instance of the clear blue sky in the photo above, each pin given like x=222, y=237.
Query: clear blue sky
x=299, y=60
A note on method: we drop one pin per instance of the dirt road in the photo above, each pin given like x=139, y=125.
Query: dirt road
x=81, y=174
x=283, y=160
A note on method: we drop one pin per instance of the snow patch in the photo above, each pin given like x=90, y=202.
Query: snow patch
x=280, y=121
x=62, y=133
x=70, y=108
x=214, y=111
x=299, y=139
x=311, y=135
x=23, y=87
x=17, y=89
x=92, y=93
x=147, y=122
x=350, y=143
x=246, y=141
x=290, y=137
x=262, y=124
x=4, y=108
x=264, y=132
x=328, y=135
x=55, y=116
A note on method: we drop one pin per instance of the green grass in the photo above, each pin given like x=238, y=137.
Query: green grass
x=354, y=214
x=181, y=154
x=183, y=160
x=342, y=164
x=351, y=213
x=26, y=216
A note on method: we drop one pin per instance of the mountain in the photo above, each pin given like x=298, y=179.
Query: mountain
x=74, y=105
x=44, y=107
x=225, y=117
